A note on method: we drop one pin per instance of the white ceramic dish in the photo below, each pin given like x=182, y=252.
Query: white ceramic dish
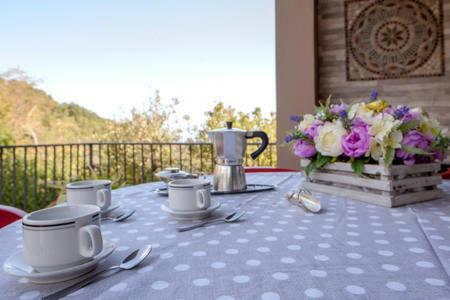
x=189, y=194
x=191, y=215
x=115, y=204
x=15, y=265
x=94, y=192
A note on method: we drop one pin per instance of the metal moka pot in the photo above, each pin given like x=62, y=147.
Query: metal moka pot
x=230, y=145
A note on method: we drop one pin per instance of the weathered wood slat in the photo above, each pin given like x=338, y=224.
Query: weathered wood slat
x=417, y=197
x=339, y=166
x=389, y=187
x=349, y=193
x=413, y=182
x=352, y=179
x=380, y=169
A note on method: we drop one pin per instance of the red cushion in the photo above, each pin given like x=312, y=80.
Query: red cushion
x=7, y=217
x=446, y=174
x=267, y=169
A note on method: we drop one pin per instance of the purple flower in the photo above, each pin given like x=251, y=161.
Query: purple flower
x=356, y=143
x=304, y=149
x=410, y=116
x=337, y=109
x=288, y=138
x=358, y=122
x=389, y=110
x=312, y=130
x=295, y=118
x=401, y=111
x=343, y=114
x=440, y=154
x=414, y=139
x=373, y=95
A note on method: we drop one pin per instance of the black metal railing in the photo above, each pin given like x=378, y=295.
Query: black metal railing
x=33, y=176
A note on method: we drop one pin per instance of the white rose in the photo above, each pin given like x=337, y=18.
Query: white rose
x=328, y=139
x=307, y=122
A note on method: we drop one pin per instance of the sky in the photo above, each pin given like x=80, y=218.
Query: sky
x=110, y=56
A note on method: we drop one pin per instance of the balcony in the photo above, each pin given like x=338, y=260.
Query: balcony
x=34, y=176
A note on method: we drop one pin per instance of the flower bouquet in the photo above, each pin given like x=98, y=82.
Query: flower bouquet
x=372, y=142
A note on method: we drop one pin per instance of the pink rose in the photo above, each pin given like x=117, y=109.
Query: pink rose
x=304, y=149
x=356, y=144
x=312, y=130
x=414, y=139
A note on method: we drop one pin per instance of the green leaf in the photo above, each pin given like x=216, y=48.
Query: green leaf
x=298, y=135
x=358, y=166
x=389, y=157
x=414, y=150
x=328, y=101
x=405, y=127
x=322, y=161
x=310, y=167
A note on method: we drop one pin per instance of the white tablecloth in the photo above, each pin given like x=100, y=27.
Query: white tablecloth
x=350, y=250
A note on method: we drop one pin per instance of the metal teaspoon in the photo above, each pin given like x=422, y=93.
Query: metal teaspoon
x=129, y=262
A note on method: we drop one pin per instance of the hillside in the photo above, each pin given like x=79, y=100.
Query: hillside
x=28, y=115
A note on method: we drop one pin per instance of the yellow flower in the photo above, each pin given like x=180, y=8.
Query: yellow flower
x=377, y=106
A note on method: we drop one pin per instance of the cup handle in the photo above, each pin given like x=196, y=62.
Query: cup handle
x=91, y=242
x=103, y=198
x=203, y=199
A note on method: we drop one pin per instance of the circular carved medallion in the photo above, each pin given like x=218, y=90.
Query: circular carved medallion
x=393, y=37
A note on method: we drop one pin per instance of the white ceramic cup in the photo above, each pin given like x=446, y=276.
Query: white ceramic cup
x=189, y=194
x=94, y=192
x=61, y=236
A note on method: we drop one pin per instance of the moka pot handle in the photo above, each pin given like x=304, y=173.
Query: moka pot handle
x=265, y=142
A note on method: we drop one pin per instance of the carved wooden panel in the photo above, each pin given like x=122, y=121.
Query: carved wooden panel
x=388, y=39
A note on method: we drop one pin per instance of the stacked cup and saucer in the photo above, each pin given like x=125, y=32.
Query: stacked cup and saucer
x=94, y=192
x=59, y=243
x=190, y=199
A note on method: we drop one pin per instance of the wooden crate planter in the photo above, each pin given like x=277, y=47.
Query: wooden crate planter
x=389, y=187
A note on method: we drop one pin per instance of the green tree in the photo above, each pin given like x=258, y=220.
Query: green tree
x=220, y=114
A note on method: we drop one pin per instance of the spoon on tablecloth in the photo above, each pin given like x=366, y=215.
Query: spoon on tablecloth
x=129, y=262
x=233, y=217
x=121, y=217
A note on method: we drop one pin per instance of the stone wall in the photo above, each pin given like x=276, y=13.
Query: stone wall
x=433, y=93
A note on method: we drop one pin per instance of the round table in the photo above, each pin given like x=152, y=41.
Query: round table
x=350, y=250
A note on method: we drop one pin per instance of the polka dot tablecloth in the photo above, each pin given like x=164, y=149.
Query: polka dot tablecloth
x=351, y=250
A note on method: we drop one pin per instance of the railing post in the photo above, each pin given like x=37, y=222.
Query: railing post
x=14, y=192
x=25, y=181
x=35, y=175
x=45, y=173
x=1, y=174
x=91, y=158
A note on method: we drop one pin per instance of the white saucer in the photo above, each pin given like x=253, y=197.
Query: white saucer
x=15, y=265
x=115, y=204
x=191, y=215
